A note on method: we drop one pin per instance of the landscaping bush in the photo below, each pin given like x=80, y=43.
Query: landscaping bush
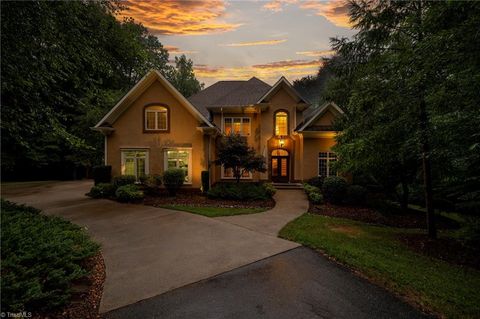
x=129, y=193
x=270, y=189
x=151, y=183
x=205, y=181
x=102, y=174
x=123, y=180
x=173, y=179
x=334, y=189
x=356, y=195
x=41, y=257
x=313, y=194
x=316, y=181
x=102, y=190
x=239, y=191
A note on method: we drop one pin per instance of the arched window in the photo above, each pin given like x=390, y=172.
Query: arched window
x=279, y=152
x=156, y=118
x=281, y=123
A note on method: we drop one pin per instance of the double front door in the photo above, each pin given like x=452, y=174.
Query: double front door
x=280, y=166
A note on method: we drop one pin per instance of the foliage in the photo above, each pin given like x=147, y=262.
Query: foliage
x=129, y=193
x=184, y=79
x=102, y=174
x=41, y=257
x=173, y=178
x=123, y=180
x=240, y=191
x=64, y=65
x=151, y=183
x=316, y=181
x=215, y=211
x=205, y=181
x=312, y=87
x=313, y=193
x=334, y=189
x=376, y=251
x=233, y=152
x=270, y=189
x=356, y=195
x=102, y=190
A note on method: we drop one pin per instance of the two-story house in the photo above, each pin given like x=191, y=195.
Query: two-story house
x=153, y=128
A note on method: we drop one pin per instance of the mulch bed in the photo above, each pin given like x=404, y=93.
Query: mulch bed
x=86, y=296
x=446, y=249
x=192, y=199
x=368, y=215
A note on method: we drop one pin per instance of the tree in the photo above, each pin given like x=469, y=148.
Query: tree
x=399, y=80
x=183, y=77
x=234, y=153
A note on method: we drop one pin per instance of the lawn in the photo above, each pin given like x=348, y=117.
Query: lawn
x=447, y=289
x=215, y=211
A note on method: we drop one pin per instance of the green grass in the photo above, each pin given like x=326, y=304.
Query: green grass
x=215, y=211
x=451, y=290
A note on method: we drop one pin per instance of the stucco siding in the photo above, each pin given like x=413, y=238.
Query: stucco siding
x=311, y=148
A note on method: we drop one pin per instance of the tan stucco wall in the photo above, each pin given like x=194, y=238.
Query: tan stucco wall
x=326, y=119
x=311, y=148
x=183, y=133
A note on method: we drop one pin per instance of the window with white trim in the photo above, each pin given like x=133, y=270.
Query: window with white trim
x=227, y=173
x=236, y=125
x=134, y=162
x=180, y=158
x=156, y=118
x=281, y=123
x=325, y=164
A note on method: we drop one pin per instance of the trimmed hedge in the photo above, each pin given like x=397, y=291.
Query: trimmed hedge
x=241, y=191
x=316, y=181
x=102, y=190
x=123, y=180
x=102, y=174
x=313, y=194
x=205, y=181
x=41, y=257
x=129, y=193
x=173, y=179
x=334, y=189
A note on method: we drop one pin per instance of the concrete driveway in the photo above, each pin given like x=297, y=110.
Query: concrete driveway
x=149, y=251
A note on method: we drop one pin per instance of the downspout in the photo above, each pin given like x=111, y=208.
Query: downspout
x=105, y=151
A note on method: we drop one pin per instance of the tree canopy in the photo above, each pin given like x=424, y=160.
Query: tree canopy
x=64, y=65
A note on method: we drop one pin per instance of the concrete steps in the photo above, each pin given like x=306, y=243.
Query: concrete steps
x=288, y=185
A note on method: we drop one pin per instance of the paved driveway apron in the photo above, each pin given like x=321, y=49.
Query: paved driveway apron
x=148, y=250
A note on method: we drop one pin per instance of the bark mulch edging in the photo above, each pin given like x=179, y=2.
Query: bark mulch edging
x=368, y=215
x=86, y=296
x=202, y=201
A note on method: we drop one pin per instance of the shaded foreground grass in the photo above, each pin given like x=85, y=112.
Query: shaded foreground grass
x=215, y=211
x=446, y=289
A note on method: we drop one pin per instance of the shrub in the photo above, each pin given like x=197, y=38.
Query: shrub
x=356, y=194
x=102, y=190
x=205, y=181
x=310, y=189
x=316, y=181
x=123, y=180
x=469, y=208
x=102, y=174
x=151, y=183
x=41, y=257
x=129, y=193
x=173, y=179
x=239, y=191
x=334, y=189
x=315, y=198
x=270, y=189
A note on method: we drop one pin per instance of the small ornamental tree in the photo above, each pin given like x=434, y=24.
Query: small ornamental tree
x=234, y=153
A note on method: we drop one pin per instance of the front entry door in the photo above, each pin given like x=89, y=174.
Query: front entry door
x=280, y=169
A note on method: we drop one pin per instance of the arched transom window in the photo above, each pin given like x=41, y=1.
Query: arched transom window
x=281, y=123
x=156, y=118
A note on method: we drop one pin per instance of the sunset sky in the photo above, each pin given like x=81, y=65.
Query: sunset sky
x=235, y=40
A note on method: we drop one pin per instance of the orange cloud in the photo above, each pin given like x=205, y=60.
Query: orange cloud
x=255, y=43
x=318, y=53
x=178, y=17
x=335, y=11
x=177, y=51
x=268, y=71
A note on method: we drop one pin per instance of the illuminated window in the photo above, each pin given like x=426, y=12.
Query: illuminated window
x=134, y=162
x=227, y=173
x=325, y=164
x=236, y=125
x=281, y=123
x=156, y=118
x=180, y=158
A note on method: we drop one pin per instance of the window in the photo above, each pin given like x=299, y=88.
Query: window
x=236, y=125
x=227, y=173
x=325, y=164
x=134, y=162
x=156, y=118
x=180, y=158
x=281, y=123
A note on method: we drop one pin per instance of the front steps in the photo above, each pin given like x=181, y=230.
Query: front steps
x=287, y=185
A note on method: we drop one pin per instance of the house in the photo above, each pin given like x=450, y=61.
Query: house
x=153, y=128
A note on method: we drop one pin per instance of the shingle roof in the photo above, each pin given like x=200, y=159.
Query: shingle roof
x=230, y=94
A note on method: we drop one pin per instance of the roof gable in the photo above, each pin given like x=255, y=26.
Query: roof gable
x=283, y=83
x=317, y=114
x=140, y=88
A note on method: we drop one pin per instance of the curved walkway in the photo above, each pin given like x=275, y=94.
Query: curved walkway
x=289, y=205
